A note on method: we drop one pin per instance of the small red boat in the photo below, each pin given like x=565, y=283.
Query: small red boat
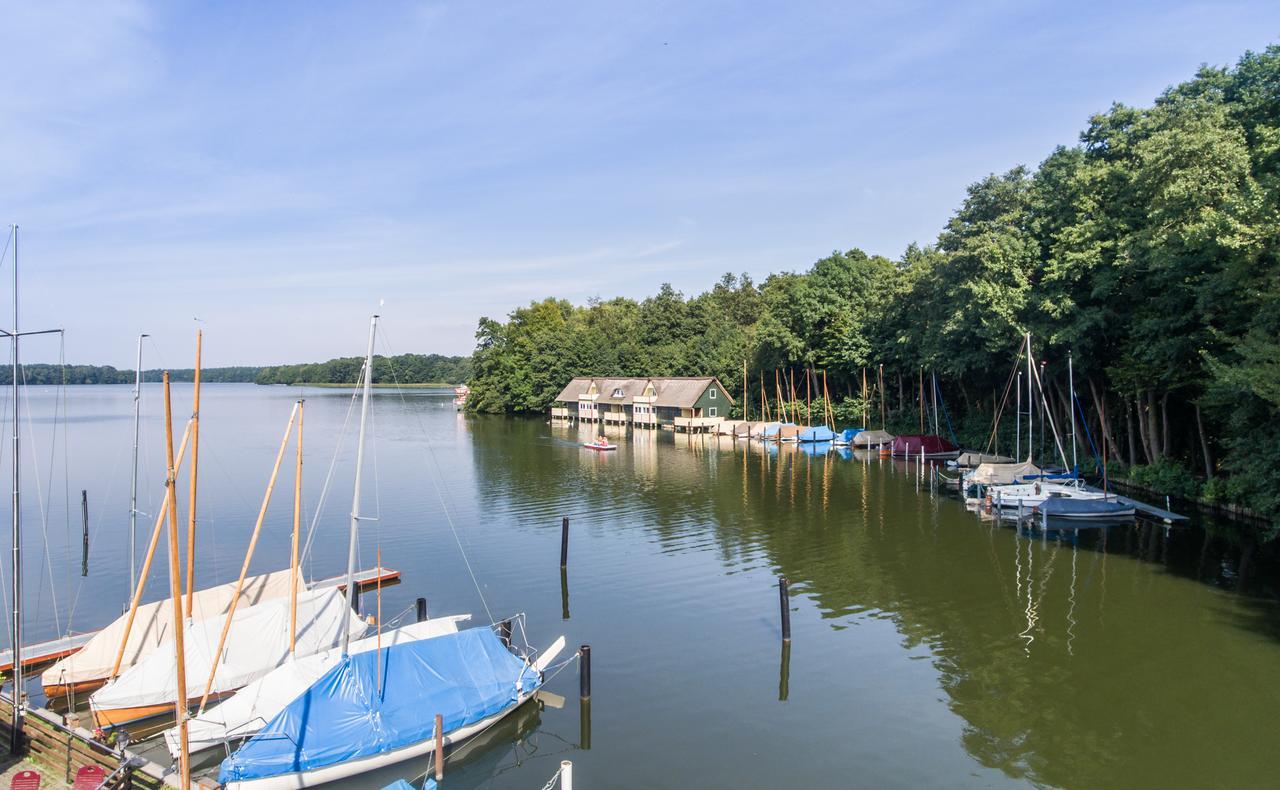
x=600, y=444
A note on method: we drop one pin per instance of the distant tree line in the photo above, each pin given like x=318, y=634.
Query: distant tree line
x=1150, y=250
x=404, y=369
x=42, y=373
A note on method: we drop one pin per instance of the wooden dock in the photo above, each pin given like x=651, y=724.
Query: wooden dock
x=47, y=652
x=1149, y=511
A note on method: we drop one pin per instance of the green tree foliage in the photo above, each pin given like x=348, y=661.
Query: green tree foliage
x=403, y=369
x=1150, y=250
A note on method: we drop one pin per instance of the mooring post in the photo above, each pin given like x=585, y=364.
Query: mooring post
x=584, y=671
x=566, y=775
x=564, y=593
x=422, y=609
x=504, y=632
x=784, y=601
x=564, y=542
x=439, y=747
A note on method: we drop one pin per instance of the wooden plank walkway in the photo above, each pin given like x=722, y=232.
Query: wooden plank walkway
x=47, y=652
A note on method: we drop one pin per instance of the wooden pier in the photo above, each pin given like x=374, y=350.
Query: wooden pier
x=47, y=652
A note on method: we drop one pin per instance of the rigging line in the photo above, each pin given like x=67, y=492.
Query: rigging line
x=435, y=479
x=328, y=478
x=44, y=511
x=66, y=475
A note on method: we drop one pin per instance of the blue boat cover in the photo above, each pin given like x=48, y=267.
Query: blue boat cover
x=465, y=677
x=848, y=433
x=427, y=784
x=1069, y=506
x=818, y=433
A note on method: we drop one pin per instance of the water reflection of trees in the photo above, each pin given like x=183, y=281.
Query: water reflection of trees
x=1071, y=662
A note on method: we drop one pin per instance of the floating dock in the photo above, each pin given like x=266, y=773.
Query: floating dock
x=48, y=652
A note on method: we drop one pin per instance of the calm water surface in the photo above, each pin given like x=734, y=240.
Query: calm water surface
x=930, y=647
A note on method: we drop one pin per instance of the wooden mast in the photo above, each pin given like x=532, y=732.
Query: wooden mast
x=922, y=399
x=745, y=404
x=248, y=557
x=195, y=461
x=880, y=386
x=764, y=402
x=297, y=524
x=808, y=396
x=175, y=592
x=866, y=407
x=146, y=564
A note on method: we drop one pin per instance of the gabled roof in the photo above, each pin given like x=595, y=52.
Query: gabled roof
x=575, y=388
x=630, y=389
x=684, y=392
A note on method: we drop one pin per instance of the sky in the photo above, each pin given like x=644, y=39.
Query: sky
x=279, y=171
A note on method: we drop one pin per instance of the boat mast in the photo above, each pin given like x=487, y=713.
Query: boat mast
x=934, y=375
x=195, y=461
x=16, y=742
x=1017, y=431
x=1071, y=391
x=355, y=495
x=175, y=593
x=1030, y=399
x=297, y=524
x=133, y=486
x=745, y=404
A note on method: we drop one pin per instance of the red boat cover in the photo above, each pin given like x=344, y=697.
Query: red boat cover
x=910, y=445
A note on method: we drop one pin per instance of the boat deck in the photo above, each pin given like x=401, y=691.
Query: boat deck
x=47, y=652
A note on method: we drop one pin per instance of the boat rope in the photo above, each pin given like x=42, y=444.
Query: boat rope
x=40, y=503
x=1087, y=435
x=992, y=442
x=553, y=780
x=328, y=477
x=435, y=478
x=943, y=403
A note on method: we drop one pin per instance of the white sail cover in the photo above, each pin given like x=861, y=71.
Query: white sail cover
x=153, y=626
x=975, y=459
x=257, y=643
x=259, y=702
x=1002, y=474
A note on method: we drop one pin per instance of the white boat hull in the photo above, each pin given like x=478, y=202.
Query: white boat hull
x=333, y=773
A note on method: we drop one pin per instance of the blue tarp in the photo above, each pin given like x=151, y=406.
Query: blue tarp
x=465, y=677
x=1084, y=508
x=848, y=433
x=818, y=433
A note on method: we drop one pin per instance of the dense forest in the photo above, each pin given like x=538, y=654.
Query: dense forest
x=1149, y=250
x=403, y=369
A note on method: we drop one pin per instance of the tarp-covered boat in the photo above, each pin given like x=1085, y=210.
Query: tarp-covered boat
x=845, y=438
x=789, y=432
x=1003, y=474
x=378, y=708
x=89, y=668
x=257, y=703
x=972, y=459
x=1085, y=509
x=818, y=433
x=872, y=439
x=910, y=445
x=257, y=643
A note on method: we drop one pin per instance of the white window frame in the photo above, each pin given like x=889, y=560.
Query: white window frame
x=711, y=411
x=713, y=393
x=617, y=392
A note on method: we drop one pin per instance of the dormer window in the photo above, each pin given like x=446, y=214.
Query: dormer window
x=617, y=392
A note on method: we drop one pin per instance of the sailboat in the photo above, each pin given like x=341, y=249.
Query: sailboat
x=375, y=708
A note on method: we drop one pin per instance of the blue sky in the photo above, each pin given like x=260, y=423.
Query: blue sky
x=277, y=169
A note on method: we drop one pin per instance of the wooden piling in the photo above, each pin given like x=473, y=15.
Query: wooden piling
x=784, y=600
x=439, y=747
x=584, y=671
x=564, y=542
x=422, y=609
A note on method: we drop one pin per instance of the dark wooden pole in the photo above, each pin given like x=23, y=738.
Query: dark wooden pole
x=564, y=542
x=784, y=597
x=584, y=671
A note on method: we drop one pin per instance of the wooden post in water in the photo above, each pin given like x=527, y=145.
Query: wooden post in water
x=784, y=600
x=564, y=542
x=584, y=671
x=439, y=747
x=422, y=609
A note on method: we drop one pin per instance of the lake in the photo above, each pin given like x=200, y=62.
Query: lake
x=930, y=647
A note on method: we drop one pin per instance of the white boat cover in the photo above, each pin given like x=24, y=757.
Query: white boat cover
x=872, y=438
x=152, y=627
x=257, y=643
x=258, y=703
x=1003, y=474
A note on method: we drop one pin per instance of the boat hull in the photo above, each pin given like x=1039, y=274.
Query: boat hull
x=333, y=773
x=106, y=718
x=80, y=687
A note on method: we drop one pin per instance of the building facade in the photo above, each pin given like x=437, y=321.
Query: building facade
x=683, y=403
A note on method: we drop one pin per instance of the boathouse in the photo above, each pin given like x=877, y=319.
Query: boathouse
x=693, y=403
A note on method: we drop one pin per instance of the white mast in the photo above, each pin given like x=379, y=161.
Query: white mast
x=16, y=740
x=133, y=487
x=355, y=496
x=1071, y=391
x=1030, y=402
x=1017, y=431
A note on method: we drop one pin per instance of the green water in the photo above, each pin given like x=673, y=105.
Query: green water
x=931, y=647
